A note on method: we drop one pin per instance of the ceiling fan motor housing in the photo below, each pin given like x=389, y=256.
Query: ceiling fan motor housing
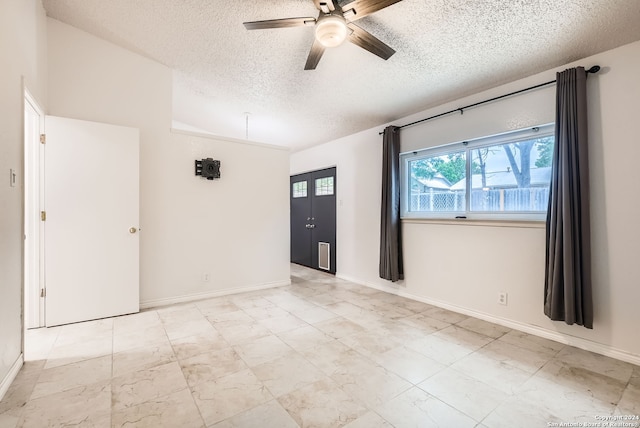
x=331, y=30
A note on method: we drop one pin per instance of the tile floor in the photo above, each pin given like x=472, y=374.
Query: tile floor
x=320, y=353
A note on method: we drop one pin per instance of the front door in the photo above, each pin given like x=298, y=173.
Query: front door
x=91, y=235
x=313, y=219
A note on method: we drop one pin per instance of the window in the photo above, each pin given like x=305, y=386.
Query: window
x=299, y=189
x=508, y=175
x=430, y=182
x=324, y=186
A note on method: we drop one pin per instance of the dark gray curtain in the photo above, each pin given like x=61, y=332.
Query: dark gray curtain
x=390, y=233
x=567, y=289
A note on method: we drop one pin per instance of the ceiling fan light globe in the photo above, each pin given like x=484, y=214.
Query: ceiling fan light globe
x=331, y=31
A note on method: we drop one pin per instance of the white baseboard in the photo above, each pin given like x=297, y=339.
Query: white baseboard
x=8, y=379
x=209, y=294
x=578, y=342
x=389, y=288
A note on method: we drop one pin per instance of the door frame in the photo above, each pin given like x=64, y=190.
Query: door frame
x=33, y=228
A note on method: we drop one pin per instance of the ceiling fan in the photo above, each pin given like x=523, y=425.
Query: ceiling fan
x=333, y=26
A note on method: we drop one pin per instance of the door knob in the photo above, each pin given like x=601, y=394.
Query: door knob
x=132, y=230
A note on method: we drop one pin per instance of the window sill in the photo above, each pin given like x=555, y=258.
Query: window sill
x=524, y=224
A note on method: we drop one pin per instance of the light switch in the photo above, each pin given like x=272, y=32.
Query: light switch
x=12, y=177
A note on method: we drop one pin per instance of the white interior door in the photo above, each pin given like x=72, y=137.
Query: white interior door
x=92, y=209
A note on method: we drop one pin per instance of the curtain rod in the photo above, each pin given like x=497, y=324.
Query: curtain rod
x=593, y=70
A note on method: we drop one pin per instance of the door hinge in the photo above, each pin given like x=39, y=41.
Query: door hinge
x=43, y=215
x=43, y=139
x=43, y=292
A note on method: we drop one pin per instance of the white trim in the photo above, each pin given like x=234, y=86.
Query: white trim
x=227, y=139
x=33, y=304
x=33, y=101
x=10, y=377
x=209, y=294
x=578, y=342
x=390, y=288
x=484, y=223
x=292, y=174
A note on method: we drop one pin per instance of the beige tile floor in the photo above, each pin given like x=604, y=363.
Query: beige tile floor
x=320, y=353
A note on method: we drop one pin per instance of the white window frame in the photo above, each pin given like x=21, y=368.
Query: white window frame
x=294, y=192
x=468, y=146
x=320, y=189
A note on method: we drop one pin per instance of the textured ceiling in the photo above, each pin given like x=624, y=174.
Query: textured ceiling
x=445, y=49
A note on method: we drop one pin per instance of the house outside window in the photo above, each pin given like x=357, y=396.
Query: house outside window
x=508, y=174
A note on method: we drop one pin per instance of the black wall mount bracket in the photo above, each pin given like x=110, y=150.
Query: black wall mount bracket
x=208, y=168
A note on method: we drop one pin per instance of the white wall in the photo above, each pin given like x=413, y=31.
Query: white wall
x=463, y=266
x=22, y=55
x=236, y=229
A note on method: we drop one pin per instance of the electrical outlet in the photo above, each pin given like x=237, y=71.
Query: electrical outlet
x=502, y=298
x=205, y=277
